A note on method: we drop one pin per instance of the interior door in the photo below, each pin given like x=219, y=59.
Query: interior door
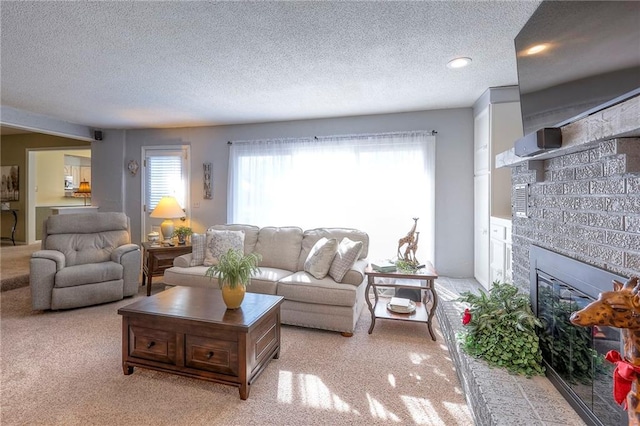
x=165, y=172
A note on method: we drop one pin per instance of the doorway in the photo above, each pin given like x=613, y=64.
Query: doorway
x=53, y=176
x=166, y=172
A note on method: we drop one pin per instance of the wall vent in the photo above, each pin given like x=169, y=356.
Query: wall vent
x=521, y=200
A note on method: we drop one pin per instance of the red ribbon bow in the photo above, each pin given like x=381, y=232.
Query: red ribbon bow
x=623, y=376
x=466, y=318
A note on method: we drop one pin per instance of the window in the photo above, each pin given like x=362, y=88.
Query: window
x=375, y=183
x=164, y=176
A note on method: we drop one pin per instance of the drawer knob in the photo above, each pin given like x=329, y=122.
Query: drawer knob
x=209, y=355
x=150, y=344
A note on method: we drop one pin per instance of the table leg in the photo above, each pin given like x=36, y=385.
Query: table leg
x=244, y=391
x=149, y=278
x=371, y=307
x=432, y=311
x=13, y=229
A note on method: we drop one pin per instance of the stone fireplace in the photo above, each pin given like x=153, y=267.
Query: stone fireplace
x=582, y=208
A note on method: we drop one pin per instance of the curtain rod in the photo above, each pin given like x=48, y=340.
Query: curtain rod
x=433, y=133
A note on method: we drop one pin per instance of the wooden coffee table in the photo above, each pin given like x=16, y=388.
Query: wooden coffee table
x=423, y=279
x=189, y=331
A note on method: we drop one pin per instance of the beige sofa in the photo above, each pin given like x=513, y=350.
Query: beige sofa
x=309, y=302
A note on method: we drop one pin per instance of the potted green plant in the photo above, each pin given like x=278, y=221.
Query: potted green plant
x=501, y=329
x=182, y=232
x=233, y=272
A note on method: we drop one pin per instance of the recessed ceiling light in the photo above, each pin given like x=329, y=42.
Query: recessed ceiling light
x=459, y=62
x=536, y=49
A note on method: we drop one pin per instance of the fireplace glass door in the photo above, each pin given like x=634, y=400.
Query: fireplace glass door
x=575, y=355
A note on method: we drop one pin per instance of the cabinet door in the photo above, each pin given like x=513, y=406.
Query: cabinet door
x=85, y=174
x=481, y=229
x=481, y=130
x=497, y=260
x=508, y=268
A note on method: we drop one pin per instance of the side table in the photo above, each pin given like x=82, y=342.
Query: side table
x=423, y=279
x=158, y=258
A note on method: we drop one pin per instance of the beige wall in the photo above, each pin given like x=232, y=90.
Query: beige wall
x=13, y=151
x=50, y=178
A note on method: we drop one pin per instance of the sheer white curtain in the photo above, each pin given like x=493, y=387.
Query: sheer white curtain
x=376, y=183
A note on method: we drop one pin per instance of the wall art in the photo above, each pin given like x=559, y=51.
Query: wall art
x=208, y=184
x=10, y=187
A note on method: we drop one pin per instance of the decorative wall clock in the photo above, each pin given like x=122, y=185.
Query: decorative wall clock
x=133, y=167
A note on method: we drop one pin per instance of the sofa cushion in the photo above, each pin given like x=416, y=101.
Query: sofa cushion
x=302, y=287
x=220, y=242
x=250, y=234
x=71, y=276
x=311, y=236
x=279, y=247
x=347, y=254
x=264, y=281
x=320, y=257
x=198, y=245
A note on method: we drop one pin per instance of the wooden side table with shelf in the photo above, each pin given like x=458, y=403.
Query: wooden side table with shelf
x=158, y=258
x=423, y=279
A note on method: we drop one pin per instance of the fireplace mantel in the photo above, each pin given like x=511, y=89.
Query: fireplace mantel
x=617, y=121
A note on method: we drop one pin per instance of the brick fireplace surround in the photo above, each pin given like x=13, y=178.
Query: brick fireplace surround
x=584, y=198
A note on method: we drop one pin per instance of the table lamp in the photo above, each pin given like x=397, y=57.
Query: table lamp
x=83, y=191
x=167, y=209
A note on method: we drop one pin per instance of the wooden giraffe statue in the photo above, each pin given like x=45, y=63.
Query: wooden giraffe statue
x=407, y=239
x=620, y=308
x=412, y=247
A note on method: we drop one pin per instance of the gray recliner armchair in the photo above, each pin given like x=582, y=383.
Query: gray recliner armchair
x=86, y=259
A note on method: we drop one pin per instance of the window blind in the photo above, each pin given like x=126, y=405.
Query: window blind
x=164, y=174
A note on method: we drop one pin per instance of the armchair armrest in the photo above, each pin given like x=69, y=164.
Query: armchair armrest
x=54, y=255
x=117, y=254
x=183, y=261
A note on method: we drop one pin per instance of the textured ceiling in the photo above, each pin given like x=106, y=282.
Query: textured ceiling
x=174, y=64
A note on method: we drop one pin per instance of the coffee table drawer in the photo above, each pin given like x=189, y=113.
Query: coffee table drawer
x=219, y=356
x=155, y=345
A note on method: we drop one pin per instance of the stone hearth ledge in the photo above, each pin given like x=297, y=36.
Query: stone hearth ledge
x=617, y=121
x=494, y=396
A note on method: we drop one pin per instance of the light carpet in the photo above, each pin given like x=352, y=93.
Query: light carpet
x=14, y=265
x=64, y=367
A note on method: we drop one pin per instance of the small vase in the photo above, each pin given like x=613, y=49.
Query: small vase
x=233, y=296
x=182, y=240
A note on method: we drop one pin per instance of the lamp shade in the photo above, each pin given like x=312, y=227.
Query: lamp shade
x=85, y=187
x=84, y=191
x=167, y=208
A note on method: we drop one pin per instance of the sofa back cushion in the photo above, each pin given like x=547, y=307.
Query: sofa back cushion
x=86, y=237
x=250, y=234
x=311, y=237
x=280, y=247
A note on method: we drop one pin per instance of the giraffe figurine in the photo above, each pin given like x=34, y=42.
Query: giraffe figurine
x=407, y=239
x=620, y=308
x=410, y=252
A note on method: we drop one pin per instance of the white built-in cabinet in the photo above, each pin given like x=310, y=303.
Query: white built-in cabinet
x=497, y=125
x=500, y=250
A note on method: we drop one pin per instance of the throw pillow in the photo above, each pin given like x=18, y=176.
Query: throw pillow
x=348, y=253
x=198, y=243
x=320, y=257
x=219, y=242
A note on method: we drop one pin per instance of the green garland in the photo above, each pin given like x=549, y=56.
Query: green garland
x=502, y=331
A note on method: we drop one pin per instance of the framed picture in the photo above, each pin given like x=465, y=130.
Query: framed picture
x=10, y=187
